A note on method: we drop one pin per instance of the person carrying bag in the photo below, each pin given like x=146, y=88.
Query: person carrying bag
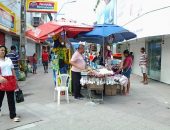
x=19, y=96
x=8, y=83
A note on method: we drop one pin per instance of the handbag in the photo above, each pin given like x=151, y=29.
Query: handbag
x=19, y=96
x=10, y=85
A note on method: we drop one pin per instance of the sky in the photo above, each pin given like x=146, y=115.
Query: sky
x=81, y=10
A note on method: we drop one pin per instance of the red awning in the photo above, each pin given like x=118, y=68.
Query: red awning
x=44, y=31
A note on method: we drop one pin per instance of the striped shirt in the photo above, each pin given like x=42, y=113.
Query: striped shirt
x=14, y=57
x=143, y=59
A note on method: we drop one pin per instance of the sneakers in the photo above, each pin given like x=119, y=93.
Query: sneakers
x=16, y=119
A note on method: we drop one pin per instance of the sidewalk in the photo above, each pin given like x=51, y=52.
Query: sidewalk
x=147, y=107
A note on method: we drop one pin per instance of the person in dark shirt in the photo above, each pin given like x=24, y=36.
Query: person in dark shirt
x=13, y=55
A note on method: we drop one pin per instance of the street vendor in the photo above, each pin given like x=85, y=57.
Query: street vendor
x=126, y=67
x=78, y=64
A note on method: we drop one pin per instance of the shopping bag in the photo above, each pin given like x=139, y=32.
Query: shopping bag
x=19, y=96
x=22, y=76
x=10, y=85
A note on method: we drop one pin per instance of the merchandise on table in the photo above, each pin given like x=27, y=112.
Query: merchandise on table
x=103, y=76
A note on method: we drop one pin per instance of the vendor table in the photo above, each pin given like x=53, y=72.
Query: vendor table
x=101, y=83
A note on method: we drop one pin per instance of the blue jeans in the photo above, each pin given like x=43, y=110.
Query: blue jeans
x=17, y=73
x=54, y=76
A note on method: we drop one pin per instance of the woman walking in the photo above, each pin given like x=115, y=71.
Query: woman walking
x=34, y=63
x=6, y=71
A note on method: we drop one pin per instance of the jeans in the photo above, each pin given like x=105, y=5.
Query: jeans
x=17, y=73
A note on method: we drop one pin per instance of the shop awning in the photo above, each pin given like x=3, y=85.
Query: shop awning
x=43, y=32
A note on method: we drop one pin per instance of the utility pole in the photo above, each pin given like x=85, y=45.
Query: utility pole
x=22, y=51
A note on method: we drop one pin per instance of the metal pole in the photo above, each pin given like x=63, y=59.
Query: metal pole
x=103, y=38
x=103, y=51
x=22, y=51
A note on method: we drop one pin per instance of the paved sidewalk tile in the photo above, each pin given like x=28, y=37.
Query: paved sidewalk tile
x=147, y=107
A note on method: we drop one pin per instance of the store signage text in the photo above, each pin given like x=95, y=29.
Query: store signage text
x=41, y=6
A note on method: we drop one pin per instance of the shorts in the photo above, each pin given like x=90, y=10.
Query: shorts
x=34, y=66
x=143, y=69
x=45, y=63
x=127, y=72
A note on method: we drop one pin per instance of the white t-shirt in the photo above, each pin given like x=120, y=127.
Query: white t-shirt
x=6, y=67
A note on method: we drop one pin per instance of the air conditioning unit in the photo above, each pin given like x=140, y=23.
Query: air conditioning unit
x=36, y=21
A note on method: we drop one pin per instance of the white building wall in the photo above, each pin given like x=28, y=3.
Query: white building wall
x=165, y=62
x=8, y=41
x=30, y=48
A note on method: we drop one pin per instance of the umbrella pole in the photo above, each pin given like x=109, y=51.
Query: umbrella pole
x=103, y=52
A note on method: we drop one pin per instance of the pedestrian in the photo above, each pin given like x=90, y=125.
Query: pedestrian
x=7, y=70
x=45, y=59
x=78, y=64
x=13, y=55
x=108, y=53
x=126, y=69
x=143, y=65
x=132, y=55
x=34, y=63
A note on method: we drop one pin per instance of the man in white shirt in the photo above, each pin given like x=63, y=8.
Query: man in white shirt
x=143, y=65
x=78, y=64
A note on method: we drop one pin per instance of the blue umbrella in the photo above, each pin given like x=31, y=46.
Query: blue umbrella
x=104, y=30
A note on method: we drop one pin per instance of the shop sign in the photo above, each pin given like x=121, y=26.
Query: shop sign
x=47, y=6
x=7, y=19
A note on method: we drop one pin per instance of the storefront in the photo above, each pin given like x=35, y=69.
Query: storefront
x=7, y=27
x=157, y=48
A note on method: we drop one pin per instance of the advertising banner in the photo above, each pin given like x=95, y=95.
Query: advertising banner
x=47, y=6
x=105, y=12
x=7, y=19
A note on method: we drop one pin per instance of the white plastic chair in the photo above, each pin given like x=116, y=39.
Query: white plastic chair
x=63, y=86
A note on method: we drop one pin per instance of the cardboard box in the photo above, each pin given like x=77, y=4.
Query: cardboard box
x=95, y=87
x=110, y=90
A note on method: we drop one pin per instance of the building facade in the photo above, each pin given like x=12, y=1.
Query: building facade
x=150, y=21
x=10, y=26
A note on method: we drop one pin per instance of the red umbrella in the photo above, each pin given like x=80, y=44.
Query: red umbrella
x=44, y=31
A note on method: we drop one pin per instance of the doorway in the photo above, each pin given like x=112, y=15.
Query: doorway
x=154, y=59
